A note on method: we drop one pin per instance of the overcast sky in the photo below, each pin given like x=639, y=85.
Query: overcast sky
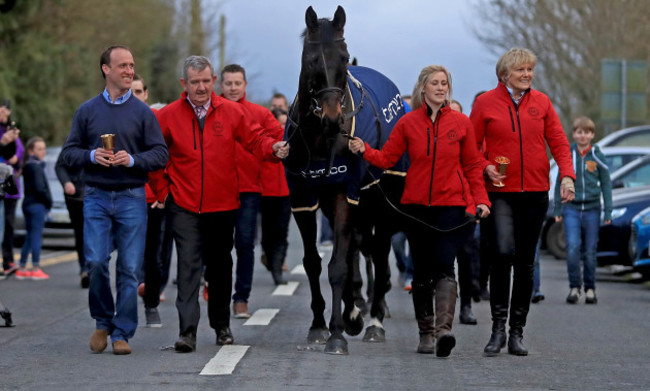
x=397, y=38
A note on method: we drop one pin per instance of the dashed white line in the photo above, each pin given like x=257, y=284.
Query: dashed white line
x=262, y=317
x=287, y=289
x=225, y=361
x=300, y=269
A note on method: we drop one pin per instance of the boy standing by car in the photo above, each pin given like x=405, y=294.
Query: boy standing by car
x=582, y=215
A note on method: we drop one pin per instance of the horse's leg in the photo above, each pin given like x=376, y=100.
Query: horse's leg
x=355, y=269
x=311, y=260
x=378, y=310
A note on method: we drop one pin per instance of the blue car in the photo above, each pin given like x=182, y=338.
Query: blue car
x=640, y=242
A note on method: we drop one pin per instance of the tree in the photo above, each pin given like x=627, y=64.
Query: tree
x=569, y=38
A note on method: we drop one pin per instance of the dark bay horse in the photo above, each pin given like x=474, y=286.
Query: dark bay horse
x=336, y=101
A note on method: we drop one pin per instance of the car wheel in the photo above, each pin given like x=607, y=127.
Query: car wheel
x=556, y=240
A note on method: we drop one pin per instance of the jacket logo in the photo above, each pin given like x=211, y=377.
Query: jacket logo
x=591, y=165
x=452, y=135
x=217, y=128
x=533, y=111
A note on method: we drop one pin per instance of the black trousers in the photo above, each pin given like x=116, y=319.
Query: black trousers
x=203, y=239
x=512, y=230
x=8, y=239
x=157, y=254
x=75, y=208
x=434, y=250
x=468, y=266
x=276, y=213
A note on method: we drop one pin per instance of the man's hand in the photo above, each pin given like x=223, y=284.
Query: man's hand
x=558, y=219
x=357, y=145
x=494, y=174
x=158, y=205
x=567, y=190
x=103, y=157
x=121, y=159
x=281, y=149
x=69, y=188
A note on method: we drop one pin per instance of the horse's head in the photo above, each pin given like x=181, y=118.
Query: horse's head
x=325, y=56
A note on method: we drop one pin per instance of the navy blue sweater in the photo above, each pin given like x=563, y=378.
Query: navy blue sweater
x=136, y=131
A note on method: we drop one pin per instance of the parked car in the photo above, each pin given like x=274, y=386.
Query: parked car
x=628, y=137
x=57, y=222
x=614, y=238
x=640, y=242
x=626, y=172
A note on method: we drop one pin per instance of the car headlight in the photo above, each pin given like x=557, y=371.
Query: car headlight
x=645, y=220
x=618, y=212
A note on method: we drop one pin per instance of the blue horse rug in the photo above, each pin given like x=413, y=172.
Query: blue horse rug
x=377, y=106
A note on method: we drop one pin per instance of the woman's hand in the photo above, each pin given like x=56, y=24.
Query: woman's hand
x=493, y=174
x=482, y=210
x=567, y=190
x=357, y=145
x=69, y=188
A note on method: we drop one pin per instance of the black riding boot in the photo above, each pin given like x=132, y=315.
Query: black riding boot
x=446, y=294
x=499, y=302
x=522, y=288
x=423, y=305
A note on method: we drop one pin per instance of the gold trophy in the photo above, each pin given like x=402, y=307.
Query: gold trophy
x=502, y=165
x=108, y=141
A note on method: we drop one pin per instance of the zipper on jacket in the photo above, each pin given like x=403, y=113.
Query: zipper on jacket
x=583, y=160
x=194, y=133
x=521, y=148
x=436, y=124
x=512, y=120
x=428, y=141
x=202, y=181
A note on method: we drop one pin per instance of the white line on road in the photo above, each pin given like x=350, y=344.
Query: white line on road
x=300, y=269
x=287, y=289
x=225, y=361
x=262, y=317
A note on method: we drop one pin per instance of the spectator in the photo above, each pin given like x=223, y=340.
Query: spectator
x=37, y=202
x=115, y=210
x=582, y=215
x=11, y=200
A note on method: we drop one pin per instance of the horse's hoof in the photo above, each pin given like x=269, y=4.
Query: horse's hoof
x=338, y=346
x=374, y=334
x=354, y=326
x=318, y=335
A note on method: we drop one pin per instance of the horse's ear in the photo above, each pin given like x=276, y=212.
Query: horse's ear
x=339, y=18
x=311, y=19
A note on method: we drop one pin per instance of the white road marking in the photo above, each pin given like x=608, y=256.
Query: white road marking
x=262, y=317
x=225, y=361
x=300, y=269
x=287, y=289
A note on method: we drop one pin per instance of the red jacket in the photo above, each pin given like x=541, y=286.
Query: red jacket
x=444, y=159
x=201, y=172
x=520, y=133
x=274, y=180
x=249, y=166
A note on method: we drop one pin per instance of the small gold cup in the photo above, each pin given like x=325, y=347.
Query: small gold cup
x=502, y=165
x=108, y=141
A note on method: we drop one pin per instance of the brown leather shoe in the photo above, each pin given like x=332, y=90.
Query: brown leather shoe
x=121, y=347
x=98, y=341
x=240, y=310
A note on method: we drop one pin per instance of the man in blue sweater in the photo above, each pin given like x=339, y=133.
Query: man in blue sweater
x=115, y=210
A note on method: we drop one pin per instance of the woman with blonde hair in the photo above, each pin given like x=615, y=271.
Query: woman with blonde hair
x=513, y=124
x=443, y=181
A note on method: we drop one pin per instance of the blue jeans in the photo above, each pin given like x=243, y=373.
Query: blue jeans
x=403, y=259
x=581, y=229
x=245, y=229
x=34, y=224
x=112, y=219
